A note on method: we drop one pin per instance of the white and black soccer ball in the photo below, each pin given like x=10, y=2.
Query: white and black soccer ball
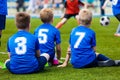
x=104, y=20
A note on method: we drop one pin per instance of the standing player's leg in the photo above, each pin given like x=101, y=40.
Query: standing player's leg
x=2, y=25
x=118, y=29
x=63, y=21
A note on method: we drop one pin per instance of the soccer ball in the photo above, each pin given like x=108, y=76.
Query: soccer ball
x=104, y=20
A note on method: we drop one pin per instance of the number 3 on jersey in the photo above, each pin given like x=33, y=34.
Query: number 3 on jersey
x=21, y=45
x=42, y=36
x=80, y=35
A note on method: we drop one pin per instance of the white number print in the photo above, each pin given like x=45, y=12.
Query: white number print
x=80, y=37
x=114, y=2
x=21, y=45
x=42, y=37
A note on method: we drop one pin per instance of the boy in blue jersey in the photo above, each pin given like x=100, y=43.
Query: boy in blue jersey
x=82, y=49
x=116, y=12
x=48, y=36
x=3, y=13
x=24, y=50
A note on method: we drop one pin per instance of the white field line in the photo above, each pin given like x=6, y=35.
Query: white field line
x=3, y=52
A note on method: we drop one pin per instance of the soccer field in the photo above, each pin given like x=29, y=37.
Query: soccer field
x=107, y=44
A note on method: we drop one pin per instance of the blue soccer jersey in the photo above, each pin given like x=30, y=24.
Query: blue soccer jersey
x=22, y=47
x=48, y=37
x=82, y=41
x=3, y=7
x=115, y=6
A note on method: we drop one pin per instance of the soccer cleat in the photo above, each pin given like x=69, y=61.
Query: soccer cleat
x=2, y=65
x=106, y=63
x=117, y=62
x=48, y=64
x=55, y=62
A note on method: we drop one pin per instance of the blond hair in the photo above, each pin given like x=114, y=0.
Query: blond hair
x=85, y=16
x=22, y=20
x=46, y=15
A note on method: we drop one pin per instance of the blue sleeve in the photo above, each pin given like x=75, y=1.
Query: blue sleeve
x=37, y=44
x=8, y=47
x=93, y=40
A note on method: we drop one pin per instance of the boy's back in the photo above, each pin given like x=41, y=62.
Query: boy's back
x=48, y=37
x=22, y=48
x=82, y=40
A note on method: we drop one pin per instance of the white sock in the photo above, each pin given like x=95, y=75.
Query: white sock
x=7, y=61
x=46, y=56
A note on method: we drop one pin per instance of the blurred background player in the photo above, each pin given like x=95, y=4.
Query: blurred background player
x=3, y=13
x=116, y=13
x=72, y=8
x=102, y=11
x=82, y=49
x=20, y=4
x=45, y=3
x=23, y=49
x=89, y=3
x=33, y=6
x=48, y=36
x=58, y=4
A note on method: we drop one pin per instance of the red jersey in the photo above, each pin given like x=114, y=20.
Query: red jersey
x=72, y=6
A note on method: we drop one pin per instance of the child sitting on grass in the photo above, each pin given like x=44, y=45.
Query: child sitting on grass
x=48, y=36
x=23, y=49
x=82, y=49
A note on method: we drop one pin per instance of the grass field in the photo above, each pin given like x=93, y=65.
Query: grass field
x=107, y=44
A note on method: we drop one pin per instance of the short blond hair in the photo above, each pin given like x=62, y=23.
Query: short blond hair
x=46, y=15
x=22, y=20
x=85, y=16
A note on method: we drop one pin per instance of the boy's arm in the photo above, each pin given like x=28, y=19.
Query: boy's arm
x=37, y=50
x=37, y=53
x=66, y=59
x=58, y=51
x=94, y=48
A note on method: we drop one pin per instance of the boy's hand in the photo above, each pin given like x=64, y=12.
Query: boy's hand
x=62, y=65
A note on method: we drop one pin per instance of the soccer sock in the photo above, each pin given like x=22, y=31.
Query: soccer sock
x=118, y=29
x=59, y=25
x=45, y=55
x=101, y=57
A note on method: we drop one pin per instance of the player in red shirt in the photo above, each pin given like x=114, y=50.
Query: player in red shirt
x=71, y=9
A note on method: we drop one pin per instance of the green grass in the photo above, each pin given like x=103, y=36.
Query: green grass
x=107, y=44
